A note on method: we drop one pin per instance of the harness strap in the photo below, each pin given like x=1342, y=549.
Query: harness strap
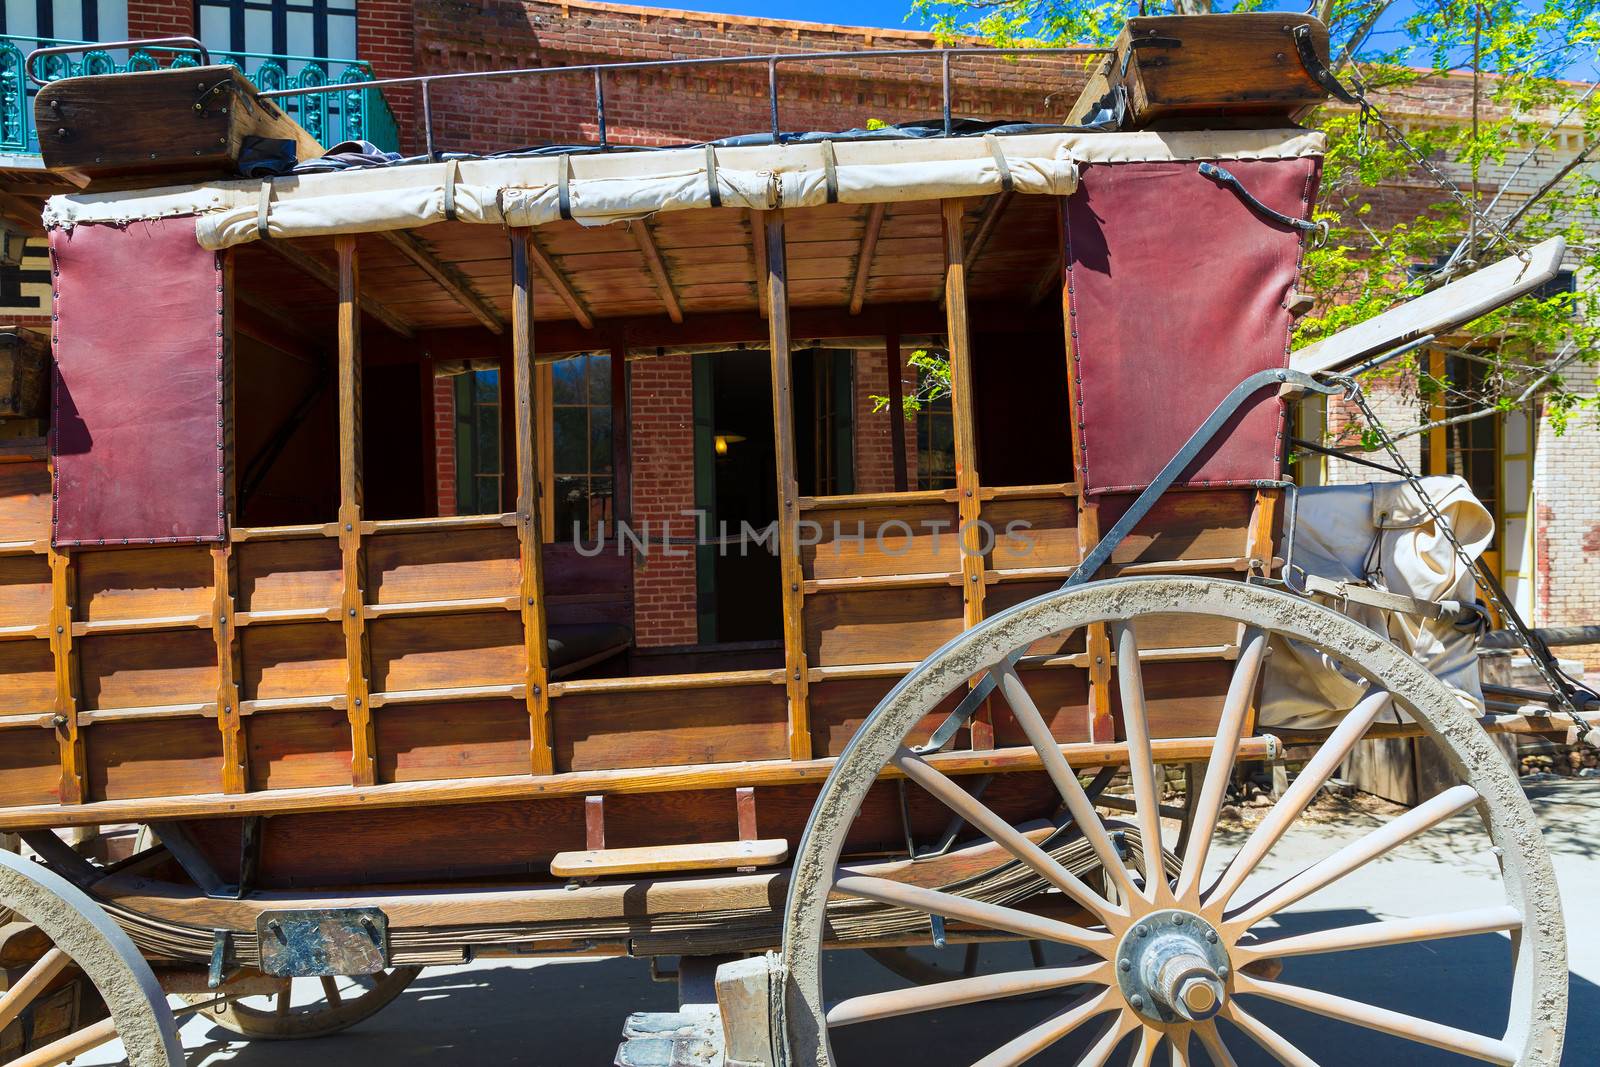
x=450, y=190
x=1006, y=182
x=712, y=187
x=564, y=187
x=830, y=171
x=263, y=206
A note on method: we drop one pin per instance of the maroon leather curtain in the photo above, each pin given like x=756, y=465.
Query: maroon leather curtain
x=1178, y=291
x=139, y=386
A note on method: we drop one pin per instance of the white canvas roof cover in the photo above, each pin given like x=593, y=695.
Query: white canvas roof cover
x=614, y=186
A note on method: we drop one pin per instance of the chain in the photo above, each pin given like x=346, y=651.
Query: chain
x=1487, y=585
x=1370, y=112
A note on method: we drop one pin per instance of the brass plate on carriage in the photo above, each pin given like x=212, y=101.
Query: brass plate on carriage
x=331, y=941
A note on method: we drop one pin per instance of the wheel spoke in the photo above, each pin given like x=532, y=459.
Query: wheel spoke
x=1149, y=1043
x=1358, y=853
x=284, y=999
x=1141, y=765
x=1178, y=1042
x=330, y=990
x=980, y=913
x=1230, y=729
x=896, y=1002
x=67, y=1048
x=1030, y=1043
x=1211, y=1038
x=31, y=984
x=1390, y=932
x=1008, y=837
x=1066, y=781
x=1394, y=1023
x=1311, y=779
x=1102, y=1049
x=1275, y=1043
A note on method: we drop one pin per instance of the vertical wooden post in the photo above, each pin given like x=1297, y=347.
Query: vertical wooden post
x=958, y=338
x=897, y=413
x=235, y=757
x=1438, y=436
x=1100, y=725
x=352, y=601
x=621, y=441
x=63, y=593
x=794, y=631
x=536, y=676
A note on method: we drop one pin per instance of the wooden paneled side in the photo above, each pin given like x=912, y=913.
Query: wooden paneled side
x=1183, y=699
x=723, y=724
x=154, y=758
x=235, y=757
x=352, y=598
x=295, y=749
x=881, y=626
x=839, y=706
x=145, y=670
x=30, y=766
x=794, y=622
x=288, y=575
x=295, y=660
x=27, y=677
x=1062, y=694
x=410, y=568
x=165, y=581
x=419, y=742
x=1035, y=532
x=447, y=651
x=24, y=590
x=25, y=503
x=536, y=652
x=893, y=539
x=1187, y=524
x=581, y=588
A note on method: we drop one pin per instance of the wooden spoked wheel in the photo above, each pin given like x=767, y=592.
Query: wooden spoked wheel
x=1165, y=957
x=334, y=1004
x=83, y=938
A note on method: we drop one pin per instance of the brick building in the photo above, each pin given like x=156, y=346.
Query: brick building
x=1543, y=487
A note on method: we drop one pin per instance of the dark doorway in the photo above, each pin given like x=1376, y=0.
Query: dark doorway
x=740, y=598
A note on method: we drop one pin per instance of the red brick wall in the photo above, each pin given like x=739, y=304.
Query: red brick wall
x=661, y=396
x=386, y=38
x=673, y=106
x=874, y=430
x=160, y=18
x=444, y=442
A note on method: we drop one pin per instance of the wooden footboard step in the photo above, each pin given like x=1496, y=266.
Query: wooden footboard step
x=711, y=856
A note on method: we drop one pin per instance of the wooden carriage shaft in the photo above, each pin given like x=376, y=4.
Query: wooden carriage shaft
x=529, y=543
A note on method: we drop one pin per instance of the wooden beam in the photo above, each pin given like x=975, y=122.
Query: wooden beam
x=869, y=249
x=897, y=412
x=536, y=674
x=63, y=593
x=235, y=767
x=658, y=268
x=958, y=338
x=758, y=245
x=277, y=328
x=363, y=750
x=451, y=280
x=794, y=630
x=556, y=279
x=1049, y=282
x=986, y=225
x=326, y=275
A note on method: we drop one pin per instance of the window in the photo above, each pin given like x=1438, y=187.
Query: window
x=936, y=439
x=1469, y=449
x=578, y=482
x=478, y=468
x=325, y=29
x=65, y=20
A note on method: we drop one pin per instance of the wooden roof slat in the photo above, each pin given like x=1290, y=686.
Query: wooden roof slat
x=658, y=269
x=558, y=282
x=447, y=276
x=329, y=277
x=869, y=248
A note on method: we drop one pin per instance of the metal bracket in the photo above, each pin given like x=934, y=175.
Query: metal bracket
x=311, y=942
x=175, y=836
x=218, y=972
x=1224, y=177
x=1319, y=71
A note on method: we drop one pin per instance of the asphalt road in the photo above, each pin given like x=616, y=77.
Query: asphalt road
x=570, y=1013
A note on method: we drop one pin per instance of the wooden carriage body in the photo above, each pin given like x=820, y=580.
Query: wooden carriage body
x=329, y=685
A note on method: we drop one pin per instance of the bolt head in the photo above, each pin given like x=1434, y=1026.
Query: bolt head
x=1125, y=964
x=1177, y=920
x=1136, y=1000
x=1222, y=971
x=1141, y=930
x=1211, y=936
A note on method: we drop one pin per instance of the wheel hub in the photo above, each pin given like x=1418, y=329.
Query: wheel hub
x=1172, y=967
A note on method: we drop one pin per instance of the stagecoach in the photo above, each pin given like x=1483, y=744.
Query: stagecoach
x=351, y=732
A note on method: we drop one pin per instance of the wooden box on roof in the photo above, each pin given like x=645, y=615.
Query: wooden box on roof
x=185, y=122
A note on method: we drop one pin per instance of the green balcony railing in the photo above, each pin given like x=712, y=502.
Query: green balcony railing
x=356, y=114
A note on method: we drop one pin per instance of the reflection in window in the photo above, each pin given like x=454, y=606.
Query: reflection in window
x=936, y=438
x=478, y=467
x=581, y=495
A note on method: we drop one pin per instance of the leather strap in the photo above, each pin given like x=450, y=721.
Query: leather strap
x=263, y=207
x=450, y=190
x=564, y=187
x=1006, y=183
x=830, y=171
x=711, y=176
